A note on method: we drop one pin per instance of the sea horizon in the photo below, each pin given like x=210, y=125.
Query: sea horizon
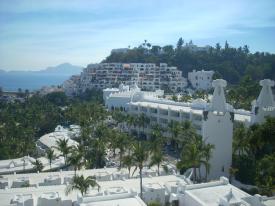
x=31, y=81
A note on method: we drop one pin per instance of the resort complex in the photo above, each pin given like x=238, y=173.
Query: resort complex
x=115, y=188
x=138, y=91
x=213, y=121
x=147, y=76
x=100, y=105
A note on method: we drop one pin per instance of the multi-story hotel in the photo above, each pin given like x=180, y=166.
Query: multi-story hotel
x=214, y=120
x=147, y=76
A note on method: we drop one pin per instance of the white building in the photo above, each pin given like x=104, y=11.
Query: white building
x=214, y=120
x=147, y=76
x=217, y=129
x=49, y=140
x=219, y=193
x=164, y=189
x=201, y=80
x=111, y=192
x=265, y=104
x=194, y=48
x=71, y=86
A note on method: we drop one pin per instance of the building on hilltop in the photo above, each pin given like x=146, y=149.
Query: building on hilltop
x=194, y=48
x=147, y=76
x=201, y=80
x=120, y=50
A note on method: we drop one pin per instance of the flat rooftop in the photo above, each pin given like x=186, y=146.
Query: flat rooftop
x=129, y=184
x=132, y=201
x=211, y=195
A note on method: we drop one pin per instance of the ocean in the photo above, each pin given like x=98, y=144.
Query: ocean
x=32, y=81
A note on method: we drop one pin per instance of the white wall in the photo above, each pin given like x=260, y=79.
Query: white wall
x=218, y=130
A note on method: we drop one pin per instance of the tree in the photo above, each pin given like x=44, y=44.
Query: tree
x=174, y=98
x=154, y=203
x=127, y=161
x=265, y=175
x=63, y=146
x=156, y=159
x=143, y=120
x=75, y=160
x=194, y=155
x=50, y=155
x=240, y=141
x=207, y=153
x=38, y=165
x=82, y=184
x=174, y=129
x=180, y=43
x=140, y=156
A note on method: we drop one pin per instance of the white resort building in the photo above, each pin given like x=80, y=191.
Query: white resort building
x=214, y=120
x=44, y=189
x=147, y=76
x=201, y=80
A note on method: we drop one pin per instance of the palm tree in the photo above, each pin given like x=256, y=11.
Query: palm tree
x=82, y=184
x=143, y=120
x=140, y=156
x=38, y=166
x=50, y=155
x=127, y=161
x=207, y=150
x=157, y=158
x=97, y=152
x=193, y=155
x=75, y=160
x=174, y=129
x=123, y=142
x=240, y=140
x=63, y=147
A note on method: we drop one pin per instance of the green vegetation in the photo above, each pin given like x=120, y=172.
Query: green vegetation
x=82, y=184
x=242, y=69
x=22, y=123
x=229, y=63
x=254, y=155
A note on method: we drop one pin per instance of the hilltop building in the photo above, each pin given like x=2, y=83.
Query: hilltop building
x=194, y=48
x=147, y=76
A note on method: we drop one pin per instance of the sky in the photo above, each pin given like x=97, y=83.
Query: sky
x=35, y=34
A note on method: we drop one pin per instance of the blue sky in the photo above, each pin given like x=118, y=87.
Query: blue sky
x=35, y=34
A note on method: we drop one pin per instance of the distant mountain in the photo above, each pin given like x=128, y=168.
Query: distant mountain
x=65, y=68
x=33, y=80
x=61, y=69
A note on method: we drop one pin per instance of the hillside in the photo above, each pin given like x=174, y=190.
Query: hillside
x=230, y=63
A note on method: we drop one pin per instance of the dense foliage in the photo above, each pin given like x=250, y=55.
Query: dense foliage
x=22, y=123
x=254, y=152
x=229, y=63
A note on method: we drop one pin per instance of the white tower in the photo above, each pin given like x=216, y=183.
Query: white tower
x=264, y=105
x=217, y=129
